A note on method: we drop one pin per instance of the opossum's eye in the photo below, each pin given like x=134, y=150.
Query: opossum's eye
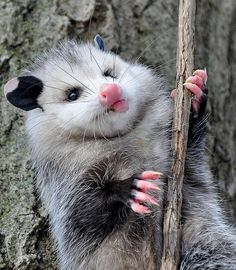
x=73, y=93
x=109, y=73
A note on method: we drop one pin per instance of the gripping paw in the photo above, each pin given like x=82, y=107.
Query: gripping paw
x=140, y=189
x=196, y=84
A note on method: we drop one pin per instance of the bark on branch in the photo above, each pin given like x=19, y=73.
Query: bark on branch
x=185, y=65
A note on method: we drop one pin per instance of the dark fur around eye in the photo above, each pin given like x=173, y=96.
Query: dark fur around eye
x=73, y=93
x=108, y=73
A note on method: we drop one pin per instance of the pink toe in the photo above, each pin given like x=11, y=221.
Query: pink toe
x=150, y=175
x=144, y=197
x=173, y=93
x=194, y=89
x=145, y=185
x=138, y=208
x=201, y=73
x=195, y=80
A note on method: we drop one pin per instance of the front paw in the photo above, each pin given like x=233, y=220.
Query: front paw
x=139, y=192
x=196, y=84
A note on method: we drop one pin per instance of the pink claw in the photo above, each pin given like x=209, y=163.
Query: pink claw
x=201, y=73
x=197, y=91
x=195, y=80
x=141, y=196
x=139, y=208
x=145, y=185
x=151, y=175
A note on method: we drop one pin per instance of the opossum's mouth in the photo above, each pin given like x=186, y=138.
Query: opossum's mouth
x=120, y=106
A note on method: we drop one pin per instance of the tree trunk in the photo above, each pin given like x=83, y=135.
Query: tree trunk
x=172, y=229
x=130, y=27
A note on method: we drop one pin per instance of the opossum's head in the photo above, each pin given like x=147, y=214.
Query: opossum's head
x=82, y=90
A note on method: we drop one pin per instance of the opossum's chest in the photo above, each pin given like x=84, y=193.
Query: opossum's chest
x=124, y=159
x=117, y=252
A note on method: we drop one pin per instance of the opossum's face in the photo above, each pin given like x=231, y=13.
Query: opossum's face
x=80, y=90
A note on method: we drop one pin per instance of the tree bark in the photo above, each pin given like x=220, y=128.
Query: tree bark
x=185, y=66
x=28, y=27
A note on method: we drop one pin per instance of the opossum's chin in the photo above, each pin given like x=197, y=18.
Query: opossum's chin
x=98, y=133
x=113, y=124
x=109, y=125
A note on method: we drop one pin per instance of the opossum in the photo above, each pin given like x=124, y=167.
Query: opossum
x=99, y=134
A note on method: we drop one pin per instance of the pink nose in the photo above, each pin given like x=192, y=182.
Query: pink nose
x=110, y=94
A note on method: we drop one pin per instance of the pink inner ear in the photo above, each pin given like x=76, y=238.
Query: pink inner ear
x=11, y=86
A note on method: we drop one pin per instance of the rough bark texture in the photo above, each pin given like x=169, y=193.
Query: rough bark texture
x=184, y=68
x=28, y=27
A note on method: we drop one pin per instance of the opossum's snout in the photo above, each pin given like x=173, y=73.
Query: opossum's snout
x=111, y=97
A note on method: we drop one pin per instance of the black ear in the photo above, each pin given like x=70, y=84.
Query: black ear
x=99, y=43
x=23, y=92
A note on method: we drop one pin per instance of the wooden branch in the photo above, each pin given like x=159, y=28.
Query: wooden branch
x=185, y=65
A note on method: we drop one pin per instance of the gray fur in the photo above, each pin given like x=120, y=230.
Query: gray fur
x=67, y=157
